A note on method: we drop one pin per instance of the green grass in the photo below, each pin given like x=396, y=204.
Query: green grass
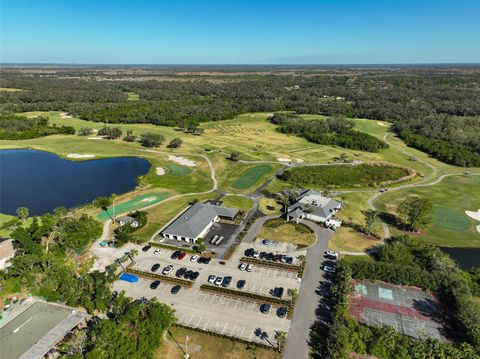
x=451, y=219
x=451, y=198
x=242, y=203
x=287, y=233
x=137, y=203
x=132, y=96
x=177, y=170
x=252, y=176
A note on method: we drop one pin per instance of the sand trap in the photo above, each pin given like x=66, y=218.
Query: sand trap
x=282, y=159
x=473, y=214
x=78, y=155
x=149, y=199
x=381, y=124
x=299, y=160
x=65, y=115
x=478, y=228
x=160, y=171
x=95, y=138
x=182, y=161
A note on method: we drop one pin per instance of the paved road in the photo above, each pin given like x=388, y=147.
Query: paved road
x=304, y=315
x=253, y=230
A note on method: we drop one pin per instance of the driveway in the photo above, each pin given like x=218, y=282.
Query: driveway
x=304, y=315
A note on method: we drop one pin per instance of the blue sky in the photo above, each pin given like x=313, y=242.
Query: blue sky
x=239, y=32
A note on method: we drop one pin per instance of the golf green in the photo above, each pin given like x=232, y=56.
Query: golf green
x=251, y=176
x=450, y=219
x=134, y=204
x=176, y=170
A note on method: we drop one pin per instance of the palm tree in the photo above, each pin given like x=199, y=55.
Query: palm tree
x=22, y=213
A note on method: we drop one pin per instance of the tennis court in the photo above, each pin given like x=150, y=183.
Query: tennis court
x=409, y=310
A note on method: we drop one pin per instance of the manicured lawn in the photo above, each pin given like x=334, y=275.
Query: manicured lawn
x=451, y=198
x=348, y=240
x=269, y=206
x=137, y=203
x=242, y=203
x=177, y=170
x=211, y=347
x=132, y=96
x=252, y=176
x=287, y=233
x=159, y=215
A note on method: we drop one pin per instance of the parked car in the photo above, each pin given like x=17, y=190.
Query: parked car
x=328, y=269
x=289, y=260
x=187, y=274
x=175, y=254
x=146, y=248
x=176, y=289
x=282, y=312
x=180, y=272
x=269, y=256
x=212, y=278
x=266, y=242
x=181, y=255
x=256, y=254
x=167, y=270
x=249, y=252
x=241, y=283
x=226, y=281
x=278, y=292
x=194, y=276
x=157, y=251
x=249, y=267
x=219, y=280
x=194, y=258
x=155, y=284
x=331, y=254
x=155, y=267
x=242, y=266
x=204, y=260
x=222, y=263
x=214, y=239
x=265, y=308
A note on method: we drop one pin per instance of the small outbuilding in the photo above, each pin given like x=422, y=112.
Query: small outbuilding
x=312, y=205
x=127, y=220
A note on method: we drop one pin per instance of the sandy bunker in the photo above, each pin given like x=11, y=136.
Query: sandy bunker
x=79, y=155
x=160, y=171
x=182, y=160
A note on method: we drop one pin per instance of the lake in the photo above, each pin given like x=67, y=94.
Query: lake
x=465, y=257
x=42, y=181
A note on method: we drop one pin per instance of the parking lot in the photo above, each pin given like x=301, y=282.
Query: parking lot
x=234, y=317
x=225, y=230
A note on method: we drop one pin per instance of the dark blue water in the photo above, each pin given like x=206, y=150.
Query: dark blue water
x=42, y=181
x=467, y=258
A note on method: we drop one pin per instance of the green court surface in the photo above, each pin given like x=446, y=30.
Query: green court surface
x=251, y=176
x=176, y=170
x=134, y=204
x=450, y=218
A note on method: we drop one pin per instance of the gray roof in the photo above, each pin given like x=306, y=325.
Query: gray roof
x=323, y=210
x=126, y=219
x=196, y=218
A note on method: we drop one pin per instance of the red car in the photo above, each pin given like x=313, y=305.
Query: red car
x=182, y=255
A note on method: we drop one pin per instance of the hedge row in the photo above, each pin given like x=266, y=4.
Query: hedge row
x=279, y=348
x=247, y=295
x=149, y=275
x=271, y=264
x=172, y=247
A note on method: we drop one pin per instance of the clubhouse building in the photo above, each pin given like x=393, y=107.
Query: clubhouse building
x=195, y=222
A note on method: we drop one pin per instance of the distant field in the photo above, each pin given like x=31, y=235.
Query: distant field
x=251, y=176
x=242, y=203
x=451, y=198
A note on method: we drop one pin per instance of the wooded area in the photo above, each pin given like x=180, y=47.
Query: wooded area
x=434, y=109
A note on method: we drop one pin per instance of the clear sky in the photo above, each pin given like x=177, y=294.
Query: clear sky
x=239, y=32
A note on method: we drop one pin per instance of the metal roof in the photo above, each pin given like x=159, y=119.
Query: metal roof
x=195, y=219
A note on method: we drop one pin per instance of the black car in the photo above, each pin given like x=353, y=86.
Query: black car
x=176, y=289
x=155, y=267
x=249, y=252
x=278, y=292
x=241, y=283
x=204, y=260
x=269, y=256
x=289, y=260
x=146, y=248
x=265, y=308
x=180, y=272
x=226, y=281
x=188, y=274
x=155, y=284
x=282, y=312
x=194, y=276
x=262, y=255
x=175, y=254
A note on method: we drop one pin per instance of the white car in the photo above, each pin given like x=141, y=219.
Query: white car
x=328, y=269
x=212, y=278
x=249, y=268
x=157, y=251
x=194, y=258
x=167, y=270
x=331, y=254
x=219, y=280
x=256, y=254
x=242, y=266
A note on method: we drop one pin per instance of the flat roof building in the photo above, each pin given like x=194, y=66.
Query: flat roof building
x=195, y=222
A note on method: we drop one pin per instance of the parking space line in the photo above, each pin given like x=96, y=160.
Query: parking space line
x=183, y=316
x=199, y=320
x=250, y=337
x=241, y=334
x=244, y=305
x=188, y=324
x=224, y=328
x=206, y=325
x=233, y=329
